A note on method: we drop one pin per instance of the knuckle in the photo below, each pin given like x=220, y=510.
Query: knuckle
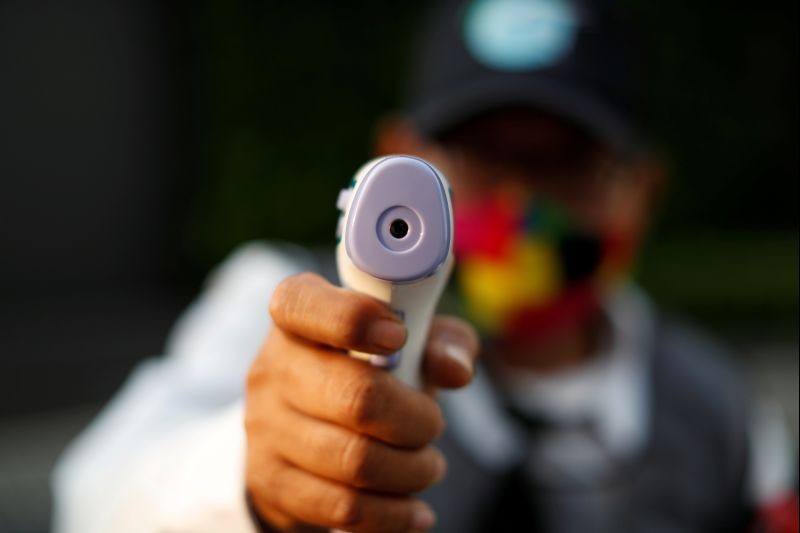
x=253, y=379
x=434, y=459
x=355, y=460
x=437, y=420
x=362, y=399
x=425, y=469
x=354, y=320
x=262, y=367
x=252, y=422
x=259, y=422
x=270, y=480
x=256, y=374
x=345, y=508
x=279, y=298
x=431, y=422
x=284, y=301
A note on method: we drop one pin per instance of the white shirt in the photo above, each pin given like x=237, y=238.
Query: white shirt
x=167, y=454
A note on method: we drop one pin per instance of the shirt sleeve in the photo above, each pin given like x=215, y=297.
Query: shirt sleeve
x=167, y=453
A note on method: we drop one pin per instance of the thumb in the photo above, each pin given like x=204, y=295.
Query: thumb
x=450, y=353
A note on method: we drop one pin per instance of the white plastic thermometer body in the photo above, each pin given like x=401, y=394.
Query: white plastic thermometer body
x=396, y=245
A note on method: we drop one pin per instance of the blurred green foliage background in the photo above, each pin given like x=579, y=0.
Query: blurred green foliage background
x=287, y=96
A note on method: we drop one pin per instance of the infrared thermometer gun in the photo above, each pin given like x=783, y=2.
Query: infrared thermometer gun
x=395, y=243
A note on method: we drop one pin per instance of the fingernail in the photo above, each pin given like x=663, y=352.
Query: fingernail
x=423, y=518
x=459, y=354
x=387, y=334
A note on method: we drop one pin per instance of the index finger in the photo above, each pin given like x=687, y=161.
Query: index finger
x=351, y=394
x=310, y=307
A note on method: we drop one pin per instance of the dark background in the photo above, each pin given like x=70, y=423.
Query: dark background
x=140, y=142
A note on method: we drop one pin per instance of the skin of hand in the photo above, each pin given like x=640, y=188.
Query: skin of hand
x=333, y=442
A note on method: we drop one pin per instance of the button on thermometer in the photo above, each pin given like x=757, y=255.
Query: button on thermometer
x=395, y=243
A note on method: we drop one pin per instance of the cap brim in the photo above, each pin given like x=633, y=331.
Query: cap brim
x=438, y=114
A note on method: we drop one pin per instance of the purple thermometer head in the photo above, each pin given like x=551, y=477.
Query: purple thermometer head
x=398, y=227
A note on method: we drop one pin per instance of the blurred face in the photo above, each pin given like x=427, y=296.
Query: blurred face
x=531, y=154
x=547, y=219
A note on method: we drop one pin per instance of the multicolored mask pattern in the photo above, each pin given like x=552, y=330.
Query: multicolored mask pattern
x=527, y=270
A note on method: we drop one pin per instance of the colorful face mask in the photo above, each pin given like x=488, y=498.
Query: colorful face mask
x=526, y=270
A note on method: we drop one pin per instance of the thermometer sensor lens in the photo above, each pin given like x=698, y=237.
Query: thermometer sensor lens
x=398, y=228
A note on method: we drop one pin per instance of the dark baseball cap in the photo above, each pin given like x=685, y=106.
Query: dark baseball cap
x=580, y=60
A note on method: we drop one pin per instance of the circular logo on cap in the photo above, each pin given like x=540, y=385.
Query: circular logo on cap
x=519, y=34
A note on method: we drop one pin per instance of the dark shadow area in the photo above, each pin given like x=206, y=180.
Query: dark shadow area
x=92, y=157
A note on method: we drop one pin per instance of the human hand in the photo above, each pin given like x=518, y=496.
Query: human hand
x=333, y=442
